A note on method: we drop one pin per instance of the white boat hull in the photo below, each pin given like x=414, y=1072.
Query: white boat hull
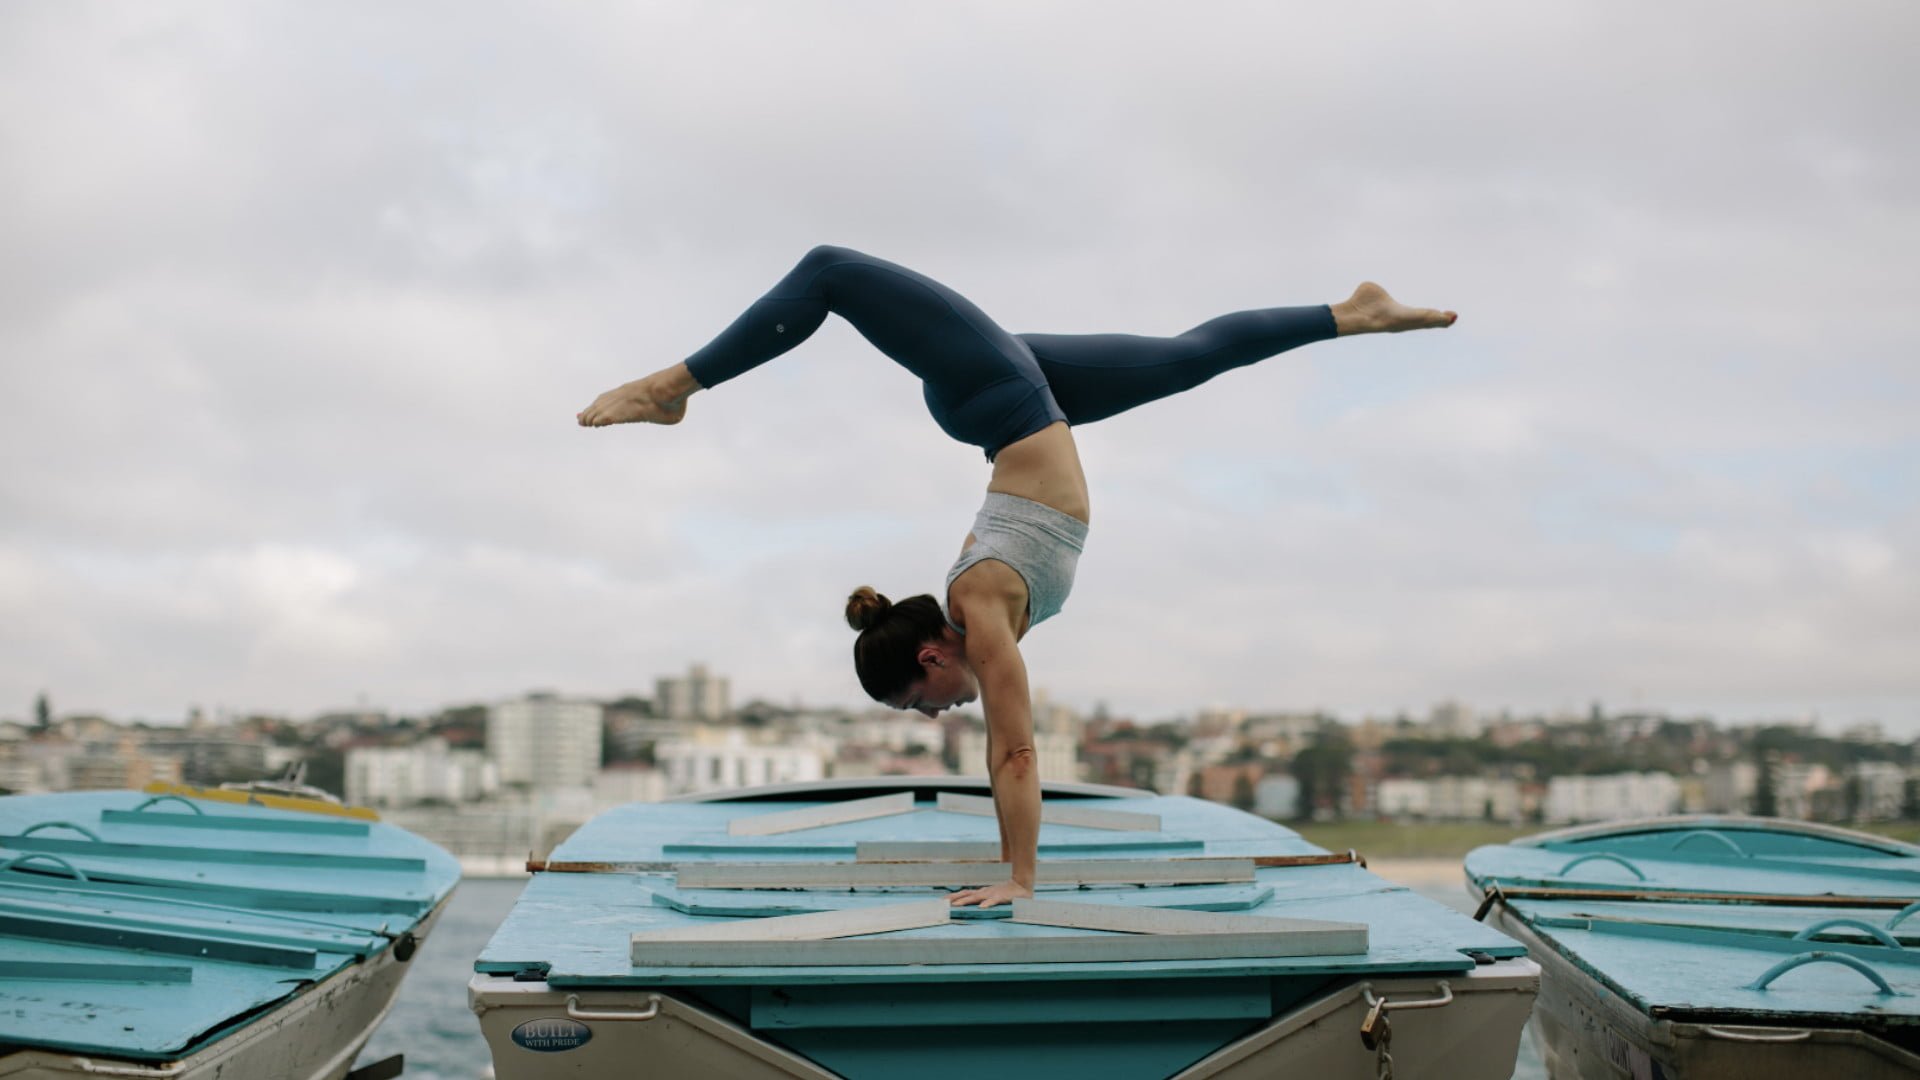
x=1474, y=1037
x=314, y=1036
x=1584, y=1031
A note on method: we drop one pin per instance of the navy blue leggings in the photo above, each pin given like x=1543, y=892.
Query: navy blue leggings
x=983, y=385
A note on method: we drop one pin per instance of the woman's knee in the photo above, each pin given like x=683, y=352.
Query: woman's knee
x=824, y=255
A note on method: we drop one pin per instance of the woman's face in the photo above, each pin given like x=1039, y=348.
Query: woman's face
x=942, y=686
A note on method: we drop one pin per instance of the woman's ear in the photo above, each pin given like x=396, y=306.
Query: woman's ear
x=930, y=657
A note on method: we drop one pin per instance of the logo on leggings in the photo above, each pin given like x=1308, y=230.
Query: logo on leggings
x=551, y=1035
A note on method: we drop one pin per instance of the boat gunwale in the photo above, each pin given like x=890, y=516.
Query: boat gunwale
x=1690, y=822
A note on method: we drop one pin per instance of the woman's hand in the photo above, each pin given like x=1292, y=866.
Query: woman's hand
x=1004, y=893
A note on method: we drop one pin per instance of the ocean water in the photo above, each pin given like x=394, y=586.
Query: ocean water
x=430, y=1023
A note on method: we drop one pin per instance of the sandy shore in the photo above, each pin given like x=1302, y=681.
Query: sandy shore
x=1421, y=873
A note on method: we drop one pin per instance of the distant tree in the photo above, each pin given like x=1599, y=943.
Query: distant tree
x=1243, y=791
x=1322, y=771
x=327, y=769
x=42, y=713
x=1765, y=802
x=1910, y=804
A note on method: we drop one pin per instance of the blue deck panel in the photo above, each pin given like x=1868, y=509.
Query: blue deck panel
x=576, y=926
x=1705, y=872
x=1685, y=976
x=761, y=903
x=642, y=832
x=160, y=948
x=1701, y=958
x=1748, y=918
x=148, y=1019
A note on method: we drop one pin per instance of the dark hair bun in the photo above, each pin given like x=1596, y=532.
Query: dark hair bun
x=866, y=607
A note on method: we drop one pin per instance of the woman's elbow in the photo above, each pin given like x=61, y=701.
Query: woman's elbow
x=1016, y=760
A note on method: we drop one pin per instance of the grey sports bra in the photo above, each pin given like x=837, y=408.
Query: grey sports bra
x=1042, y=545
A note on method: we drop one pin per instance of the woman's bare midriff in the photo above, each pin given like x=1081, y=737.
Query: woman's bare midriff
x=1045, y=468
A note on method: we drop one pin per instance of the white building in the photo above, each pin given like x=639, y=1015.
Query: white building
x=717, y=759
x=895, y=731
x=1051, y=716
x=1794, y=783
x=1058, y=755
x=1474, y=798
x=427, y=770
x=1277, y=796
x=1610, y=798
x=1402, y=798
x=1453, y=720
x=545, y=741
x=1728, y=787
x=696, y=696
x=1449, y=798
x=1883, y=791
x=628, y=784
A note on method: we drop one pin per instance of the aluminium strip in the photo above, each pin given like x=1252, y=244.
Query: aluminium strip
x=1056, y=813
x=989, y=851
x=237, y=822
x=1333, y=938
x=815, y=926
x=994, y=949
x=815, y=817
x=844, y=875
x=316, y=860
x=42, y=971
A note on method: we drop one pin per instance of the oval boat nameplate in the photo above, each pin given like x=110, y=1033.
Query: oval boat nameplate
x=552, y=1034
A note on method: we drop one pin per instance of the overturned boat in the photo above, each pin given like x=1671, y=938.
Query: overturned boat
x=804, y=931
x=200, y=933
x=1715, y=946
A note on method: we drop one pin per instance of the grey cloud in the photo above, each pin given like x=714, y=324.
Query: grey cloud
x=299, y=302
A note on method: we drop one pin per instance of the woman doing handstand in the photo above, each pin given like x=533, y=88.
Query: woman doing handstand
x=1017, y=397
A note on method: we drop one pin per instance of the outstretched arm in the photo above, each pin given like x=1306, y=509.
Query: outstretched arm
x=994, y=655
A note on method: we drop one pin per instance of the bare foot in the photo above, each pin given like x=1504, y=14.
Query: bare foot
x=660, y=398
x=1371, y=311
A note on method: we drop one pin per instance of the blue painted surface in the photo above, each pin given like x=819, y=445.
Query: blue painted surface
x=153, y=951
x=576, y=927
x=1113, y=1019
x=759, y=903
x=1704, y=959
x=641, y=832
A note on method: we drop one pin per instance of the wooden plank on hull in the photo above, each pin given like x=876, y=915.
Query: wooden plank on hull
x=1316, y=937
x=1056, y=813
x=815, y=817
x=814, y=926
x=845, y=875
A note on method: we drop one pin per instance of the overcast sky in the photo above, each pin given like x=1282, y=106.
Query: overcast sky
x=298, y=301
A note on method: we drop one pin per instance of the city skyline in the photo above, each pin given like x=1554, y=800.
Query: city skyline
x=298, y=310
x=1431, y=713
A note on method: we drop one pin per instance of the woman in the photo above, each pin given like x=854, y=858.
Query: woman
x=1016, y=397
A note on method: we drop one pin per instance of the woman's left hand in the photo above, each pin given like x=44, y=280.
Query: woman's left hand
x=1004, y=893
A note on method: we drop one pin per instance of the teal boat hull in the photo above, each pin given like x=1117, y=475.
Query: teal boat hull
x=558, y=993
x=192, y=938
x=1697, y=947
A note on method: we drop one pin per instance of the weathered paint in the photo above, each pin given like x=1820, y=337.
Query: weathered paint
x=158, y=955
x=1724, y=901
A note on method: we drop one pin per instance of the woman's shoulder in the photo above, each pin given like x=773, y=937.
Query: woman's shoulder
x=990, y=590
